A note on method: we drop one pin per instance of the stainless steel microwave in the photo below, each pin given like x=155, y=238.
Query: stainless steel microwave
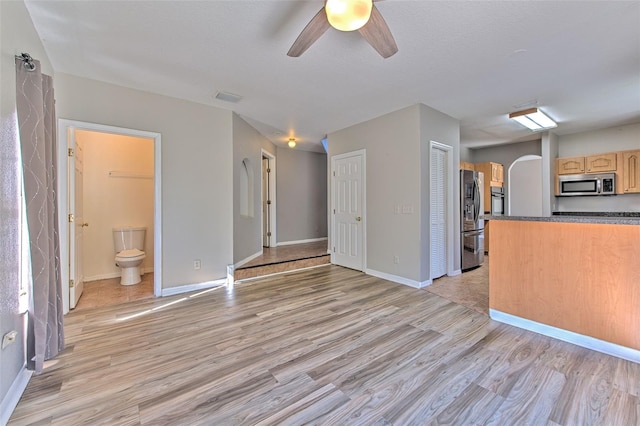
x=587, y=184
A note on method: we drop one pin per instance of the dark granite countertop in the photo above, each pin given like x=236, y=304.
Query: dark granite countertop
x=607, y=219
x=598, y=214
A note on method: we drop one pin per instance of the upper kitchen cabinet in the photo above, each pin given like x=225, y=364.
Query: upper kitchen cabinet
x=493, y=176
x=570, y=165
x=630, y=172
x=497, y=173
x=466, y=166
x=601, y=163
x=493, y=173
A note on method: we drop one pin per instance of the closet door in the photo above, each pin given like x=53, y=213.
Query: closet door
x=438, y=212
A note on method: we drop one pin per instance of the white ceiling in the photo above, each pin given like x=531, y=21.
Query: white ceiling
x=474, y=60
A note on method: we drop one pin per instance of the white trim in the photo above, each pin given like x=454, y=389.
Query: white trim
x=13, y=395
x=63, y=180
x=309, y=240
x=568, y=336
x=171, y=291
x=454, y=273
x=280, y=273
x=450, y=206
x=247, y=260
x=363, y=153
x=398, y=279
x=272, y=187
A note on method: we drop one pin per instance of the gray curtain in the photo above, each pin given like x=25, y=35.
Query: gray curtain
x=37, y=128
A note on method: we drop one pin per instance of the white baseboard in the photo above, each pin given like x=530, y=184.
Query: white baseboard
x=247, y=260
x=567, y=336
x=398, y=279
x=454, y=273
x=111, y=275
x=310, y=240
x=171, y=291
x=10, y=400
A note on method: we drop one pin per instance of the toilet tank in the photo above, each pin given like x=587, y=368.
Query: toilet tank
x=129, y=237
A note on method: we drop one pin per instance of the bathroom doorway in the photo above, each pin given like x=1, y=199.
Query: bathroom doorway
x=120, y=182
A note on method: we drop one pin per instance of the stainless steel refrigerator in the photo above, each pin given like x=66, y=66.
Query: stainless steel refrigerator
x=472, y=226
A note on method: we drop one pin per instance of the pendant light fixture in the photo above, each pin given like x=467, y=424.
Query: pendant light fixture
x=292, y=142
x=348, y=15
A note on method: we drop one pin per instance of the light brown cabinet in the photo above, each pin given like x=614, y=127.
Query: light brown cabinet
x=497, y=173
x=493, y=172
x=570, y=165
x=493, y=176
x=631, y=172
x=601, y=163
x=464, y=165
x=625, y=164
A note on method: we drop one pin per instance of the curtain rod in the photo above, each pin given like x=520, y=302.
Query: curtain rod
x=28, y=61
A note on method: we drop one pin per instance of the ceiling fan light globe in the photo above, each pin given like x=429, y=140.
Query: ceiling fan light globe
x=348, y=15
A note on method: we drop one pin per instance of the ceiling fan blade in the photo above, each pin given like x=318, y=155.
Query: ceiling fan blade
x=312, y=32
x=378, y=34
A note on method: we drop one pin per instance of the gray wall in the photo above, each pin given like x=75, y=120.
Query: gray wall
x=197, y=176
x=247, y=230
x=17, y=35
x=621, y=138
x=506, y=155
x=525, y=177
x=397, y=173
x=301, y=195
x=549, y=155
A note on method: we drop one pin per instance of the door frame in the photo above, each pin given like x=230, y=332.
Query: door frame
x=334, y=158
x=272, y=196
x=450, y=209
x=72, y=166
x=63, y=195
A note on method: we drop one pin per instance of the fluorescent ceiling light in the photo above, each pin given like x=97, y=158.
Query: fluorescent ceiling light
x=533, y=119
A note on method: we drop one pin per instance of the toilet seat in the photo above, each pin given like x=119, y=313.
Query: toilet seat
x=132, y=254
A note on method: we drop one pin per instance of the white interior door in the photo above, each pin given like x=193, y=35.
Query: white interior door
x=77, y=224
x=438, y=212
x=348, y=212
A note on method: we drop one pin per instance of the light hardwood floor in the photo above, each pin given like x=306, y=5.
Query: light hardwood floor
x=322, y=346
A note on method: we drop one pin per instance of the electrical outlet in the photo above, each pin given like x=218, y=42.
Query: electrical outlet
x=197, y=264
x=396, y=259
x=9, y=338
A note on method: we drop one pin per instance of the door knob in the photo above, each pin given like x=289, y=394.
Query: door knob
x=85, y=224
x=358, y=218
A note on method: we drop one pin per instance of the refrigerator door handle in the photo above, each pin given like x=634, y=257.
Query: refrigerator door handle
x=476, y=200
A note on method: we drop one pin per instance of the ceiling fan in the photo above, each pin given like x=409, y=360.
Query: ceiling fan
x=348, y=15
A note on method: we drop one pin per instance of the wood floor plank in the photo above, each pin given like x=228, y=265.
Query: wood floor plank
x=322, y=346
x=589, y=380
x=474, y=406
x=531, y=399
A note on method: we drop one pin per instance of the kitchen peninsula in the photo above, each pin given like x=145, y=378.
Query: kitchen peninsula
x=575, y=278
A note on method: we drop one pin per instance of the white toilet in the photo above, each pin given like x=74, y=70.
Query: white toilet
x=129, y=245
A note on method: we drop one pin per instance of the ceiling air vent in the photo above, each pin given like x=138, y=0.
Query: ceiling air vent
x=228, y=97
